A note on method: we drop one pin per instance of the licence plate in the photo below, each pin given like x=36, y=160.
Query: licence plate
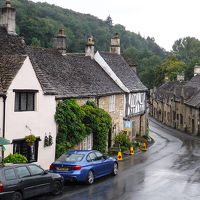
x=63, y=168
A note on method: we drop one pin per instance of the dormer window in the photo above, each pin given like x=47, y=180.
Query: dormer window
x=25, y=100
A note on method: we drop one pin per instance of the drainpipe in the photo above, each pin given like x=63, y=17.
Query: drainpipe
x=4, y=117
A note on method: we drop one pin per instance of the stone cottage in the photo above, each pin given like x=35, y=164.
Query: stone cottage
x=33, y=80
x=176, y=104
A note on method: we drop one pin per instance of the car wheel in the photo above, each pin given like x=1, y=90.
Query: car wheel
x=57, y=188
x=17, y=196
x=115, y=169
x=90, y=177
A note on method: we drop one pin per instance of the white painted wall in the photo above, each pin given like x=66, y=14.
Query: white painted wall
x=40, y=121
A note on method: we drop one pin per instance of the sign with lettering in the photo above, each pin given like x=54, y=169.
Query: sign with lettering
x=128, y=125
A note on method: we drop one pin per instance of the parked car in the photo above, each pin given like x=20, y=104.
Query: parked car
x=22, y=181
x=84, y=166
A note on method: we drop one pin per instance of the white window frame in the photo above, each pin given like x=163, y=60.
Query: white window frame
x=112, y=103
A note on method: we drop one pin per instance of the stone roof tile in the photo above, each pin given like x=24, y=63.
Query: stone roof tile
x=124, y=72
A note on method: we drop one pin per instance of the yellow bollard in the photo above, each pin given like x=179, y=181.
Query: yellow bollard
x=144, y=147
x=131, y=151
x=119, y=157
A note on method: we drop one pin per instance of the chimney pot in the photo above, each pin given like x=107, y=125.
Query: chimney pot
x=115, y=44
x=89, y=49
x=7, y=18
x=59, y=42
x=8, y=4
x=116, y=35
x=61, y=32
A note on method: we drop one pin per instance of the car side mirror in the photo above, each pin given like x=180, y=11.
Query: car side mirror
x=105, y=157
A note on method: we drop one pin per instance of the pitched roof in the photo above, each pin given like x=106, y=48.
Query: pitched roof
x=194, y=101
x=194, y=82
x=73, y=75
x=169, y=86
x=11, y=44
x=129, y=60
x=124, y=72
x=9, y=66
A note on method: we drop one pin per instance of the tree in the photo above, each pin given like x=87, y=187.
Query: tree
x=109, y=21
x=170, y=68
x=173, y=67
x=35, y=42
x=159, y=76
x=189, y=71
x=186, y=49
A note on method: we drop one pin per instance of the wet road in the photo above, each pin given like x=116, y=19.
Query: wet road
x=169, y=170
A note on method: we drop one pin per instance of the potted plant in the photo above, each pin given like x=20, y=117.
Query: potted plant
x=30, y=139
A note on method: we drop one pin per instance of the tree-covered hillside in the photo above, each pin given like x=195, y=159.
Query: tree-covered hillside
x=39, y=22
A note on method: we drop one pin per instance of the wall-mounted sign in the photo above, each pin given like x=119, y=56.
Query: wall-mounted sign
x=128, y=125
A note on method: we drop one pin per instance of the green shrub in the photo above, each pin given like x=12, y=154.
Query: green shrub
x=123, y=148
x=122, y=139
x=30, y=138
x=15, y=158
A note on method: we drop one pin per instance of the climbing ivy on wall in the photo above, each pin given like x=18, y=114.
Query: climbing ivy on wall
x=98, y=122
x=75, y=122
x=71, y=130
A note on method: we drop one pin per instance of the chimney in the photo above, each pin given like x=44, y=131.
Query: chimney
x=89, y=48
x=7, y=18
x=196, y=69
x=59, y=42
x=181, y=77
x=166, y=79
x=115, y=44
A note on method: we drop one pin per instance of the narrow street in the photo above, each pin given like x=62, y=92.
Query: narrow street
x=169, y=170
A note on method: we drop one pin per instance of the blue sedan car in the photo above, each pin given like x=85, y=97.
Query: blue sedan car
x=84, y=165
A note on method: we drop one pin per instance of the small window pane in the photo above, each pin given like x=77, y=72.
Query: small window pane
x=89, y=159
x=10, y=174
x=99, y=155
x=30, y=101
x=16, y=101
x=93, y=156
x=22, y=172
x=35, y=170
x=23, y=101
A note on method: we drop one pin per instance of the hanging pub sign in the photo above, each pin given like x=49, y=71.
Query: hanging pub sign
x=128, y=125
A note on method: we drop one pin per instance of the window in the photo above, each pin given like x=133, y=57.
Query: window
x=181, y=119
x=90, y=142
x=85, y=144
x=99, y=155
x=35, y=170
x=10, y=174
x=71, y=157
x=22, y=172
x=21, y=147
x=93, y=156
x=89, y=159
x=24, y=100
x=112, y=103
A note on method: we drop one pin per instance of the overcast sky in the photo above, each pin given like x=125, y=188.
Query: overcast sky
x=165, y=20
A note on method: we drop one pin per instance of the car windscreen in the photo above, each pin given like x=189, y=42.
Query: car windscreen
x=71, y=157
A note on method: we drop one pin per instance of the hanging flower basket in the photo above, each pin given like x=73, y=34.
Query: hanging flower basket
x=30, y=139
